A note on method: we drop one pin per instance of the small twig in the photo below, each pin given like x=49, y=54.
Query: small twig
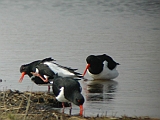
x=114, y=114
x=28, y=104
x=7, y=109
x=28, y=114
x=4, y=103
x=56, y=116
x=24, y=96
x=20, y=104
x=106, y=114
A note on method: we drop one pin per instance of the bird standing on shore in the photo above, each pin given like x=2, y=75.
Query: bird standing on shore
x=67, y=89
x=41, y=71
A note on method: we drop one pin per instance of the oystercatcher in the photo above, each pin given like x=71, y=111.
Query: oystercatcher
x=68, y=89
x=48, y=69
x=101, y=67
x=41, y=71
x=28, y=69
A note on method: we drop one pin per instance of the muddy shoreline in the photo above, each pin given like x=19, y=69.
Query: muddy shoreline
x=16, y=105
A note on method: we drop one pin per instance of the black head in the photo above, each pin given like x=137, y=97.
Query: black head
x=24, y=68
x=94, y=64
x=30, y=67
x=92, y=59
x=78, y=99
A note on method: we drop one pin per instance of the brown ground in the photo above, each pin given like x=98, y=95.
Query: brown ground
x=16, y=105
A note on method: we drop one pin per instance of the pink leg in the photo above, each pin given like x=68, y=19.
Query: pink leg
x=38, y=75
x=48, y=88
x=63, y=107
x=70, y=110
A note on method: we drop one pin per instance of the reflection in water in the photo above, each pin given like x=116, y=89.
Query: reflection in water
x=101, y=90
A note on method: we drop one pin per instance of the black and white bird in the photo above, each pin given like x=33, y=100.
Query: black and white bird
x=27, y=69
x=41, y=71
x=101, y=67
x=67, y=89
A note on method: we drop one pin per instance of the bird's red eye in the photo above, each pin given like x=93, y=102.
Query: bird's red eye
x=78, y=100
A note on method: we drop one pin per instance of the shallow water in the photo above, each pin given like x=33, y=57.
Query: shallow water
x=69, y=31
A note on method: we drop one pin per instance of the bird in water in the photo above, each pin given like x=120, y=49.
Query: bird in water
x=101, y=67
x=68, y=89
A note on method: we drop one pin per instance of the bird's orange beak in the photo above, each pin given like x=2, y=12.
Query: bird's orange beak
x=22, y=76
x=81, y=110
x=88, y=65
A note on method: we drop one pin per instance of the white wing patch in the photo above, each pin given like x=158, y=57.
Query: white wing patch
x=56, y=69
x=37, y=71
x=61, y=97
x=45, y=76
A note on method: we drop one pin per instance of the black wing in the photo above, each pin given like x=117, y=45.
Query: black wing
x=45, y=70
x=57, y=84
x=49, y=59
x=111, y=63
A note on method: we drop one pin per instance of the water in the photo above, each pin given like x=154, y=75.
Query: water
x=71, y=30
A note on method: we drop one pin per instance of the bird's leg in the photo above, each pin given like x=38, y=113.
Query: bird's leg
x=35, y=74
x=70, y=110
x=48, y=88
x=63, y=107
x=38, y=75
x=45, y=80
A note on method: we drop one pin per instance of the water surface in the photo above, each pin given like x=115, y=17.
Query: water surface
x=71, y=30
